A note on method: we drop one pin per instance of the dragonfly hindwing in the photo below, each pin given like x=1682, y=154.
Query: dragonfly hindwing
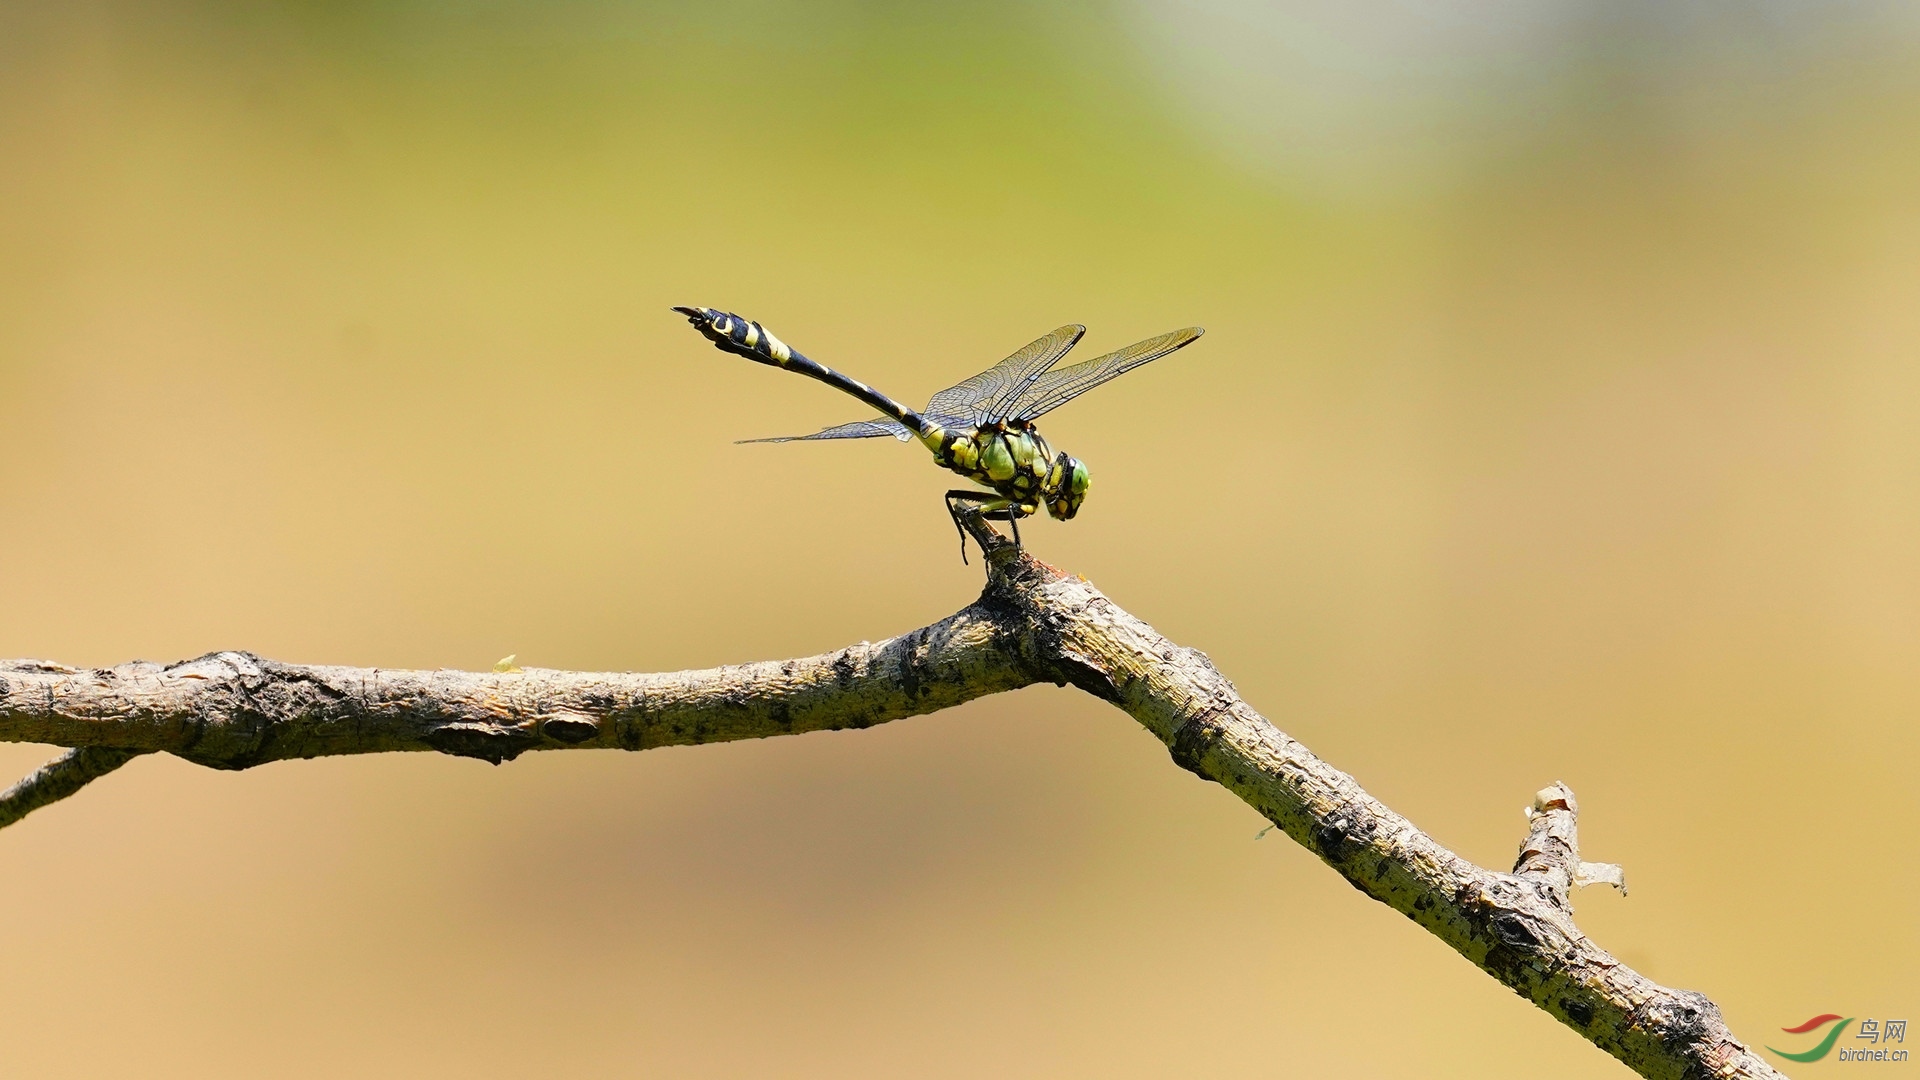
x=858, y=429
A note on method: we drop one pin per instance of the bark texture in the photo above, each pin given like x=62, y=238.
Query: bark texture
x=233, y=710
x=58, y=779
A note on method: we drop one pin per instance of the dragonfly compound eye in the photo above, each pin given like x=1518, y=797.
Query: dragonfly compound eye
x=1066, y=487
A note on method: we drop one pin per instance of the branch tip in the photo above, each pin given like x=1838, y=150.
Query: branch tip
x=1551, y=853
x=995, y=546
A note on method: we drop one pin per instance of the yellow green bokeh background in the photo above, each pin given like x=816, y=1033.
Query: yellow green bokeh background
x=1558, y=418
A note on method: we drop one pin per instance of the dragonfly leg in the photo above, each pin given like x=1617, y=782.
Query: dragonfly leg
x=954, y=513
x=990, y=506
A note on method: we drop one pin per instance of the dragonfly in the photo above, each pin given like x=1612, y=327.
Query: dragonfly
x=981, y=427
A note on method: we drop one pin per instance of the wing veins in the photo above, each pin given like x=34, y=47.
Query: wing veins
x=1023, y=387
x=858, y=429
x=1055, y=388
x=990, y=396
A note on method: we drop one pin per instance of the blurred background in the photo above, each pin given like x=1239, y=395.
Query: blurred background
x=1558, y=418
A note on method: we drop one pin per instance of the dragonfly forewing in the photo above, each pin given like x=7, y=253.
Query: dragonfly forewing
x=1053, y=389
x=988, y=397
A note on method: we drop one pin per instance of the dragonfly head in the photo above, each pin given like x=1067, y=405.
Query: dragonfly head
x=1065, y=487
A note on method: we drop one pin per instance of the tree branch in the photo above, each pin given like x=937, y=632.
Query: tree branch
x=1032, y=624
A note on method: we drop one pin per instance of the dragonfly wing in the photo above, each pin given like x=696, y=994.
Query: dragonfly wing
x=859, y=429
x=1055, y=388
x=989, y=396
x=949, y=421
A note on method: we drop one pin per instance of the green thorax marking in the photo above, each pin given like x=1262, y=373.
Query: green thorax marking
x=1011, y=461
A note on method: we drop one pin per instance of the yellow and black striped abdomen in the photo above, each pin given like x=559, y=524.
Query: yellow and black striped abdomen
x=744, y=337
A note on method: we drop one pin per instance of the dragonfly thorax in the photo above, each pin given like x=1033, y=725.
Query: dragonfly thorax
x=1017, y=463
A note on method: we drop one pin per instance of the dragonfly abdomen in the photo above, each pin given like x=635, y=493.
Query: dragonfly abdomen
x=744, y=337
